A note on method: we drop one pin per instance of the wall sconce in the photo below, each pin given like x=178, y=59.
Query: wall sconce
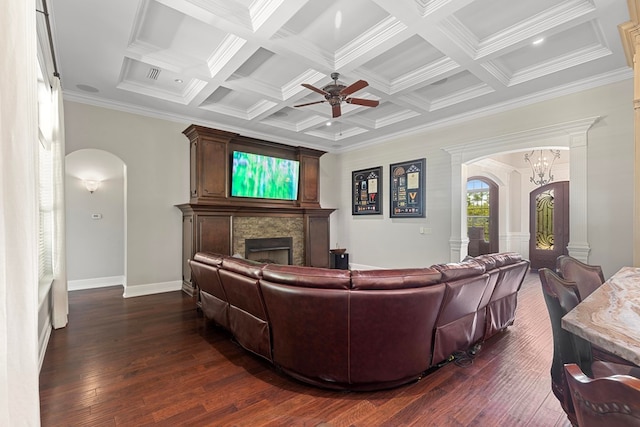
x=91, y=185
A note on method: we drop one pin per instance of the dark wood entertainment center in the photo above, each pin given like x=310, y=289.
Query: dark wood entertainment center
x=207, y=220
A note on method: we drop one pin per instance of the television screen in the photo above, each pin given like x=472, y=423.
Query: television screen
x=264, y=177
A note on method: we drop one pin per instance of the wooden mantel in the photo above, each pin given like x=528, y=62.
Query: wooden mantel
x=208, y=218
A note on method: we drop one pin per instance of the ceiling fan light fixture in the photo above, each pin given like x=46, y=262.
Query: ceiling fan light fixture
x=336, y=93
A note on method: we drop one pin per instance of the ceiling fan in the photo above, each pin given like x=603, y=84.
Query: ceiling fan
x=335, y=93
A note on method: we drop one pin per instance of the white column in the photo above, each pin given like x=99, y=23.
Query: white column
x=458, y=241
x=578, y=246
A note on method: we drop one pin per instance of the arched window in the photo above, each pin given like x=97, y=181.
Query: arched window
x=482, y=216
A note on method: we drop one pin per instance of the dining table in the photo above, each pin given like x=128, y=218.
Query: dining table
x=610, y=317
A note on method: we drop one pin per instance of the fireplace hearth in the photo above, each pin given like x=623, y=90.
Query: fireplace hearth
x=276, y=250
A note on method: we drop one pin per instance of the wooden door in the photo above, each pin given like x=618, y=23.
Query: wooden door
x=548, y=224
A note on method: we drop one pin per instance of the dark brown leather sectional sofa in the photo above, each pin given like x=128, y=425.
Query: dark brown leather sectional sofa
x=360, y=329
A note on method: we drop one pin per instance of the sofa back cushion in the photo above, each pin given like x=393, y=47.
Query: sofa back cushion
x=245, y=267
x=487, y=260
x=209, y=258
x=213, y=300
x=309, y=328
x=391, y=332
x=501, y=309
x=456, y=323
x=205, y=276
x=510, y=279
x=403, y=278
x=459, y=270
x=308, y=277
x=247, y=315
x=506, y=258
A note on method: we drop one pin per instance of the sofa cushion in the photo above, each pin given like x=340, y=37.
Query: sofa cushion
x=243, y=266
x=308, y=277
x=459, y=270
x=506, y=258
x=488, y=260
x=209, y=258
x=206, y=277
x=394, y=278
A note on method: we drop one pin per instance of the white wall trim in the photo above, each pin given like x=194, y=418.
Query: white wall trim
x=571, y=134
x=43, y=341
x=97, y=282
x=152, y=288
x=517, y=242
x=579, y=250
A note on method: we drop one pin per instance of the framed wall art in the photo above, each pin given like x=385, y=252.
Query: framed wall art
x=366, y=191
x=407, y=183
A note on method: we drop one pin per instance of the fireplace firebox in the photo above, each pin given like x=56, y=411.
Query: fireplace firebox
x=276, y=250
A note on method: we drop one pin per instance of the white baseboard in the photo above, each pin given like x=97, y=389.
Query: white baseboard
x=98, y=282
x=151, y=288
x=43, y=341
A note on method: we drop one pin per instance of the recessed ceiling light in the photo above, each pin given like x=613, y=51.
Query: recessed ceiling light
x=178, y=80
x=338, y=20
x=328, y=123
x=536, y=42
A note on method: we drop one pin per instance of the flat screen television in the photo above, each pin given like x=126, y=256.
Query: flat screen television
x=264, y=177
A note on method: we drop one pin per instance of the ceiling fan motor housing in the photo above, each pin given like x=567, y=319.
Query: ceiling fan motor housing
x=336, y=93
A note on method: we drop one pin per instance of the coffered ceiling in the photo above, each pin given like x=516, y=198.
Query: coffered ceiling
x=238, y=65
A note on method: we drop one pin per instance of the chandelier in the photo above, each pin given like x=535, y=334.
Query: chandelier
x=541, y=167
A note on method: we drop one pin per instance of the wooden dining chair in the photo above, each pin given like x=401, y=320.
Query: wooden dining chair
x=612, y=400
x=588, y=278
x=561, y=296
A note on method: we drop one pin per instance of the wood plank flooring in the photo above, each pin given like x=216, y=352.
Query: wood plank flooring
x=154, y=360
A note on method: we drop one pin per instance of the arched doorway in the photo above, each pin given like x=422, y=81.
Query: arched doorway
x=568, y=135
x=96, y=219
x=482, y=216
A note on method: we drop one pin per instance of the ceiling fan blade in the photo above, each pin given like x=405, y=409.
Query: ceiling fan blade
x=354, y=87
x=365, y=102
x=336, y=110
x=315, y=89
x=311, y=103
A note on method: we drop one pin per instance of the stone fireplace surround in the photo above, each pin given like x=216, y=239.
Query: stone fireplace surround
x=269, y=227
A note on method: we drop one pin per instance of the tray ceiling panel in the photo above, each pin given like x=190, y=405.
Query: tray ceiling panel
x=239, y=65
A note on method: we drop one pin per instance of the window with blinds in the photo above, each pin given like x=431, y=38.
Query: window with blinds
x=45, y=172
x=45, y=244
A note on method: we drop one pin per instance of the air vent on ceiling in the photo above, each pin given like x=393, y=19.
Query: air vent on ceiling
x=153, y=73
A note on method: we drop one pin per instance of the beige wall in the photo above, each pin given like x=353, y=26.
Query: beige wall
x=156, y=157
x=385, y=242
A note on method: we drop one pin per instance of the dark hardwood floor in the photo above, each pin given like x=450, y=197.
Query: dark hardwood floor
x=154, y=360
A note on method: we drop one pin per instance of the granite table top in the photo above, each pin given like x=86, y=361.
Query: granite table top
x=610, y=316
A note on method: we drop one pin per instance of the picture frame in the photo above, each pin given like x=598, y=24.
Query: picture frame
x=366, y=191
x=407, y=182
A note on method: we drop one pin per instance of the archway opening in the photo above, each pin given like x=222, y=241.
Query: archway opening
x=95, y=189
